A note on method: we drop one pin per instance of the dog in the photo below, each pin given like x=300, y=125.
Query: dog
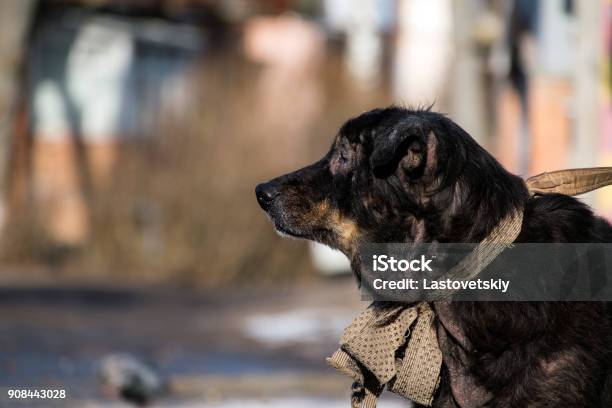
x=412, y=175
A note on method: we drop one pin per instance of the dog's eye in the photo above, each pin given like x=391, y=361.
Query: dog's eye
x=342, y=158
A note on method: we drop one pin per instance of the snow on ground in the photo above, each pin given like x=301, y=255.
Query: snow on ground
x=297, y=326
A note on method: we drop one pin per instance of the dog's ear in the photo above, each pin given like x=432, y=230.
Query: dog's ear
x=403, y=146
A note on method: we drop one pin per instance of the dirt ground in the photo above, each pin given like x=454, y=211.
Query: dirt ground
x=225, y=348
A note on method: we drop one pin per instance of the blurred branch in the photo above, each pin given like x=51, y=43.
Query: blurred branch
x=15, y=19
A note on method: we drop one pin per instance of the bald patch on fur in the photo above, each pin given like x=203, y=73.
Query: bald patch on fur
x=431, y=163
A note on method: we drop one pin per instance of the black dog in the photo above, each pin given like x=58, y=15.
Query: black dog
x=400, y=175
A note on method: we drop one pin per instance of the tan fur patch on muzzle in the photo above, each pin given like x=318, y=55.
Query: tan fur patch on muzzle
x=345, y=229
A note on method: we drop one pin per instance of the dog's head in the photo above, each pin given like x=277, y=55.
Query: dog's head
x=394, y=175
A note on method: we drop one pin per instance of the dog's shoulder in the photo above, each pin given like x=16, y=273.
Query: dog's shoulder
x=561, y=218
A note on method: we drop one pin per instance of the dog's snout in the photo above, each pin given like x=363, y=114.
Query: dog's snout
x=265, y=193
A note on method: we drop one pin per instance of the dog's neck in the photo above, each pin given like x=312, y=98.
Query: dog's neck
x=473, y=210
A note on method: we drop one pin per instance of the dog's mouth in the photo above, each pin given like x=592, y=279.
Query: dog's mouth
x=281, y=228
x=287, y=222
x=286, y=232
x=285, y=210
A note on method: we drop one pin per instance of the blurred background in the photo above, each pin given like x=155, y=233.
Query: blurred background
x=135, y=263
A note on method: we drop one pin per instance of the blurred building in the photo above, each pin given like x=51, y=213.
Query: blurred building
x=549, y=104
x=97, y=80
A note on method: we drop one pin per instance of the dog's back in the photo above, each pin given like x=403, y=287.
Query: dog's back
x=549, y=354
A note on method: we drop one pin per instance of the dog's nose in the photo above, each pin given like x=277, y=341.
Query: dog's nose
x=265, y=193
